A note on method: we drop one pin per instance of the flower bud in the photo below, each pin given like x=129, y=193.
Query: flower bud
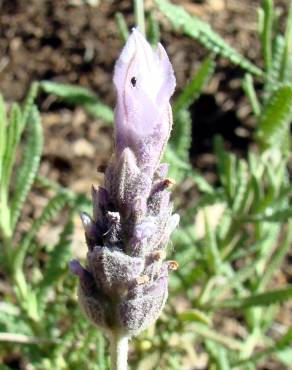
x=144, y=81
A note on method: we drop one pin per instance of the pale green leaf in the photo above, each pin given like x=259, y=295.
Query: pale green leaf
x=273, y=127
x=29, y=166
x=202, y=31
x=78, y=95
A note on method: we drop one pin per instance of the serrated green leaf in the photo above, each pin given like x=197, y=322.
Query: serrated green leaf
x=52, y=209
x=28, y=104
x=29, y=166
x=193, y=89
x=273, y=127
x=13, y=137
x=273, y=78
x=202, y=32
x=177, y=166
x=78, y=95
x=181, y=137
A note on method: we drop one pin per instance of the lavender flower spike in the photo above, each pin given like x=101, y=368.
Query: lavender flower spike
x=124, y=285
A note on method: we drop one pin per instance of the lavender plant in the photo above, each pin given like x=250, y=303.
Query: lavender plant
x=230, y=275
x=124, y=285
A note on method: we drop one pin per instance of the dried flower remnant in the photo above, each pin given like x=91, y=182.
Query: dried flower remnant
x=125, y=283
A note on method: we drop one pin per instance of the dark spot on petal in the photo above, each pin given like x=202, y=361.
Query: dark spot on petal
x=133, y=81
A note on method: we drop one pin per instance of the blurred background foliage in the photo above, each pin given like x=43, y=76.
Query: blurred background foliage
x=230, y=301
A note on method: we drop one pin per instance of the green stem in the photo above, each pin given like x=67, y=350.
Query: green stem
x=288, y=46
x=119, y=351
x=4, y=213
x=266, y=36
x=140, y=15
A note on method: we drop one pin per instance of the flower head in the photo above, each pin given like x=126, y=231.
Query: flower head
x=124, y=284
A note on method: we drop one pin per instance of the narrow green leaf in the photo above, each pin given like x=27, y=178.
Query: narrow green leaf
x=248, y=87
x=287, y=45
x=153, y=31
x=3, y=128
x=122, y=26
x=211, y=247
x=263, y=299
x=201, y=183
x=78, y=95
x=13, y=137
x=29, y=166
x=101, y=344
x=276, y=259
x=28, y=105
x=193, y=89
x=226, y=168
x=266, y=35
x=288, y=74
x=233, y=281
x=215, y=336
x=241, y=186
x=194, y=315
x=170, y=156
x=139, y=15
x=202, y=32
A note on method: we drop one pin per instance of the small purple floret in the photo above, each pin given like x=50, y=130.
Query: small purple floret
x=76, y=268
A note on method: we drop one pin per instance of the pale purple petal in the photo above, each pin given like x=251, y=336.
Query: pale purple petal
x=144, y=81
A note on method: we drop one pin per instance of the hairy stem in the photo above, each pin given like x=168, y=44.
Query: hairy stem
x=119, y=351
